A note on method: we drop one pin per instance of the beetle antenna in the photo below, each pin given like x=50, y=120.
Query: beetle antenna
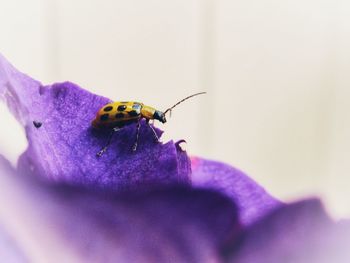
x=169, y=109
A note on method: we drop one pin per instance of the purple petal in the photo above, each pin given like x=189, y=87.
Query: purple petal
x=252, y=200
x=64, y=147
x=298, y=233
x=173, y=224
x=9, y=250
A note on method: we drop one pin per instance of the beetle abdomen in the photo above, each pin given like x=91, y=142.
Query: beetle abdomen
x=117, y=114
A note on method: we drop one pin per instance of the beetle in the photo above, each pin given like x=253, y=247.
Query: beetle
x=116, y=115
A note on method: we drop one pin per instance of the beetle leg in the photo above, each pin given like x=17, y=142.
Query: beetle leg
x=154, y=132
x=104, y=149
x=138, y=126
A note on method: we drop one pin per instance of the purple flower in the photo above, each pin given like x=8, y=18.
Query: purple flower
x=64, y=204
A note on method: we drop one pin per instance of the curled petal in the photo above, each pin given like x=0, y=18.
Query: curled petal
x=300, y=233
x=252, y=200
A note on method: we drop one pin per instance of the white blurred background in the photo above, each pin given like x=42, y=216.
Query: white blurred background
x=276, y=72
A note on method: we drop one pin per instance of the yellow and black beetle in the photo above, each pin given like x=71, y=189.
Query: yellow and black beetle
x=116, y=115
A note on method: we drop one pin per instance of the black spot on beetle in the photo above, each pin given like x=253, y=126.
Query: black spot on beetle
x=121, y=107
x=108, y=108
x=104, y=117
x=37, y=124
x=119, y=115
x=133, y=113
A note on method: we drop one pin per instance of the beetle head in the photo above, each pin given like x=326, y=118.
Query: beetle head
x=160, y=116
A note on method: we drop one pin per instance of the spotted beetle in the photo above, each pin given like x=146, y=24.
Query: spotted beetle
x=116, y=115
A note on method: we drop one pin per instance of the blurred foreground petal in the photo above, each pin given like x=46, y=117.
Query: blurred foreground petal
x=9, y=250
x=61, y=223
